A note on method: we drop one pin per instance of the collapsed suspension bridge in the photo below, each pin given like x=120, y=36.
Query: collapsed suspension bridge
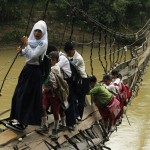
x=129, y=53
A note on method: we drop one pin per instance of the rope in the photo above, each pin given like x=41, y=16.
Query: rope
x=82, y=39
x=99, y=52
x=63, y=35
x=121, y=35
x=91, y=64
x=29, y=18
x=110, y=51
x=21, y=46
x=46, y=7
x=72, y=24
x=105, y=48
x=118, y=54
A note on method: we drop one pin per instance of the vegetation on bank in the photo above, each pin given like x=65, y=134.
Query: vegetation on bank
x=119, y=15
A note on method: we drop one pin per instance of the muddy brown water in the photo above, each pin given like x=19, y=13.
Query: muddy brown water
x=134, y=137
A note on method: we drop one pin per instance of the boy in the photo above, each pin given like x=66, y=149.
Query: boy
x=106, y=103
x=50, y=97
x=78, y=61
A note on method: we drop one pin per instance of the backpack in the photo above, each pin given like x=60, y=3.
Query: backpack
x=45, y=67
x=62, y=92
x=75, y=76
x=124, y=93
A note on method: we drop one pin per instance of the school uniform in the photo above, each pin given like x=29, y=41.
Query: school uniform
x=26, y=105
x=64, y=65
x=103, y=99
x=77, y=59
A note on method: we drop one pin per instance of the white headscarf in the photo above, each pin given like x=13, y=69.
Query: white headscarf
x=40, y=25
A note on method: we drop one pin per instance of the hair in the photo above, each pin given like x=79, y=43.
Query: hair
x=106, y=77
x=54, y=54
x=51, y=48
x=92, y=79
x=68, y=46
x=120, y=76
x=115, y=72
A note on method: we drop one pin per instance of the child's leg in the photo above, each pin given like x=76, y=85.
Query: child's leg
x=55, y=108
x=62, y=116
x=44, y=126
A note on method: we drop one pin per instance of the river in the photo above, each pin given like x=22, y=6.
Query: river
x=134, y=137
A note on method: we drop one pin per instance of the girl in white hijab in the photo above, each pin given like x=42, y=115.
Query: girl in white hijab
x=26, y=106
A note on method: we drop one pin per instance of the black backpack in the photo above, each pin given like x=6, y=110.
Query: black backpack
x=75, y=76
x=45, y=67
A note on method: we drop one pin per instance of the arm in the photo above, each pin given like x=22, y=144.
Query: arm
x=39, y=50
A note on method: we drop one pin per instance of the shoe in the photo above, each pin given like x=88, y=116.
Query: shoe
x=118, y=122
x=62, y=128
x=71, y=128
x=54, y=134
x=15, y=126
x=43, y=128
x=54, y=131
x=79, y=119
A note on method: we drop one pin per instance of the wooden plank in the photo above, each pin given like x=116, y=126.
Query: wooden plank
x=142, y=58
x=82, y=145
x=7, y=136
x=36, y=139
x=82, y=126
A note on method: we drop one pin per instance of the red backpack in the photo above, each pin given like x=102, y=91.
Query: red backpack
x=124, y=92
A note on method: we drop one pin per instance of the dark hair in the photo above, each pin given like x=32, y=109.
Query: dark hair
x=50, y=48
x=120, y=75
x=115, y=72
x=54, y=54
x=106, y=77
x=92, y=79
x=68, y=46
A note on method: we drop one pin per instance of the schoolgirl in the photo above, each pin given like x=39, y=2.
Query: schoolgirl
x=26, y=108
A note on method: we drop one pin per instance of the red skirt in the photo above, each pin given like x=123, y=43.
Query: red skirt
x=111, y=111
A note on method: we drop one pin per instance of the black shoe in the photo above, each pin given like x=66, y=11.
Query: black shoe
x=15, y=126
x=62, y=128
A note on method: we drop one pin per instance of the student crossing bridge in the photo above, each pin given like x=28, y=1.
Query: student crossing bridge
x=129, y=53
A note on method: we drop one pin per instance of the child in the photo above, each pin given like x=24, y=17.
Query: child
x=78, y=61
x=50, y=97
x=106, y=103
x=27, y=99
x=109, y=85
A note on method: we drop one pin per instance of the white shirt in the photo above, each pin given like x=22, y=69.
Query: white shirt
x=32, y=54
x=111, y=88
x=64, y=65
x=118, y=81
x=79, y=62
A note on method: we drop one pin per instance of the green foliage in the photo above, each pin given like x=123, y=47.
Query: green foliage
x=9, y=10
x=13, y=36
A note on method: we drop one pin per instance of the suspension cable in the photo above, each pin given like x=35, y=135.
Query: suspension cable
x=105, y=48
x=91, y=62
x=121, y=35
x=29, y=17
x=99, y=48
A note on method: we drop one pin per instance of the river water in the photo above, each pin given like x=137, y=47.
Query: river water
x=134, y=137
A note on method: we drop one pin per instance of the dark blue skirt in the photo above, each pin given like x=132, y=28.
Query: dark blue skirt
x=27, y=99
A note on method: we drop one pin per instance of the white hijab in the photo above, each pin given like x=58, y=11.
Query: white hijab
x=40, y=25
